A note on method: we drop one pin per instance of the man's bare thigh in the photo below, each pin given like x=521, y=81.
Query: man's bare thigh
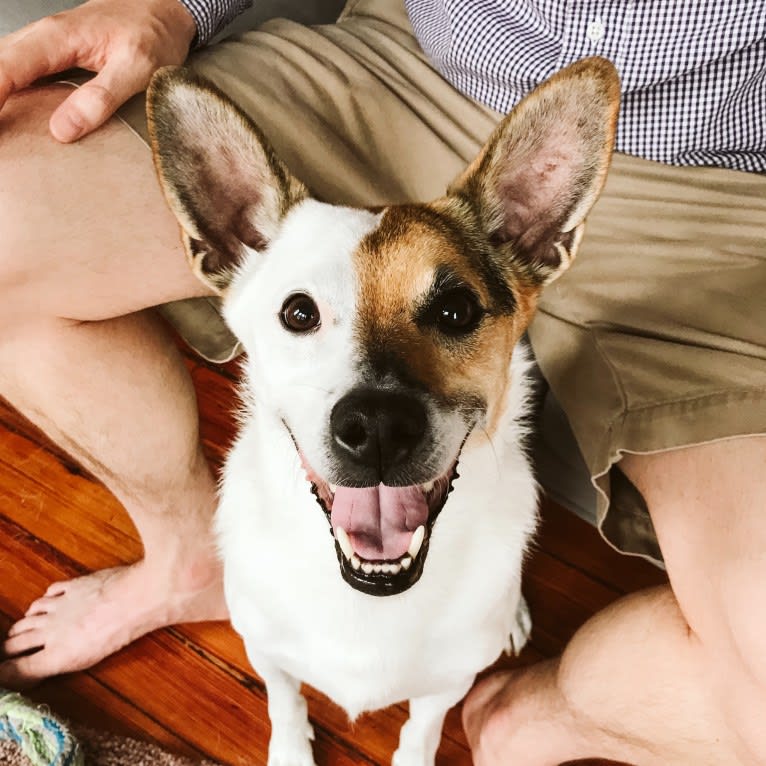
x=84, y=230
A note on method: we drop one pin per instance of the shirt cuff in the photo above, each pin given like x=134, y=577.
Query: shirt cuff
x=211, y=16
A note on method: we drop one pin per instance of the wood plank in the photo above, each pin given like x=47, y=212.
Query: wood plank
x=567, y=537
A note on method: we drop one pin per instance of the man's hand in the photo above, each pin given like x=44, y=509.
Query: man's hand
x=124, y=41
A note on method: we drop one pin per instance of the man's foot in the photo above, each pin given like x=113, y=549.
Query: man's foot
x=79, y=622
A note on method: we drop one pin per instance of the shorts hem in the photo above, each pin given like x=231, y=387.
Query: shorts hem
x=683, y=424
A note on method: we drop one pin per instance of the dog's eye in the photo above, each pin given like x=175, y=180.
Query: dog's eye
x=457, y=312
x=299, y=313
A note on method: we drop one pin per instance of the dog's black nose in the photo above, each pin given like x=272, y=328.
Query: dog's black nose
x=376, y=429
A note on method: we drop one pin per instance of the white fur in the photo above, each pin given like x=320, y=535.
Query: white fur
x=300, y=620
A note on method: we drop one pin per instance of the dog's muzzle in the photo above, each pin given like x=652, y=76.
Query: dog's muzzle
x=381, y=521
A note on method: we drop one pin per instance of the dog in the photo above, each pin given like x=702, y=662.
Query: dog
x=377, y=503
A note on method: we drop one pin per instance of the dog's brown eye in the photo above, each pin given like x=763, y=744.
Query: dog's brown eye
x=457, y=312
x=299, y=313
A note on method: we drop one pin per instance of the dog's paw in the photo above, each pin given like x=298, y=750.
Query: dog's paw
x=410, y=757
x=521, y=630
x=295, y=756
x=292, y=750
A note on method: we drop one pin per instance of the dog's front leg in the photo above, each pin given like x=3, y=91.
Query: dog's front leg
x=291, y=732
x=421, y=733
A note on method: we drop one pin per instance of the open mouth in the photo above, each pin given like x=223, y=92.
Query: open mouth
x=382, y=533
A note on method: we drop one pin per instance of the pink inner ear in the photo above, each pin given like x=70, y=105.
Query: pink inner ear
x=540, y=183
x=232, y=191
x=220, y=170
x=538, y=189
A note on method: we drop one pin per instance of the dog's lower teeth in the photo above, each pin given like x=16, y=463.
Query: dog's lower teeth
x=389, y=568
x=428, y=487
x=417, y=541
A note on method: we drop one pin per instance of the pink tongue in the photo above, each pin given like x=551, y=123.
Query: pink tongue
x=379, y=520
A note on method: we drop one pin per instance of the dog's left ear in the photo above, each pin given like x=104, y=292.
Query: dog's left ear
x=539, y=174
x=220, y=176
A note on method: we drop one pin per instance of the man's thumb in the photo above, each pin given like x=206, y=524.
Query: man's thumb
x=91, y=106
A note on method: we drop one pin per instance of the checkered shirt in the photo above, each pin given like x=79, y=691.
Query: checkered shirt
x=693, y=71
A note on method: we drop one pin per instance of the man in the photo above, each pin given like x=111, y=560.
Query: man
x=654, y=342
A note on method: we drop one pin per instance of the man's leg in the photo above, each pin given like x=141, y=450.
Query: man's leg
x=85, y=239
x=661, y=677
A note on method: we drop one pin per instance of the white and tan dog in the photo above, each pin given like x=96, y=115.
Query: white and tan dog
x=382, y=360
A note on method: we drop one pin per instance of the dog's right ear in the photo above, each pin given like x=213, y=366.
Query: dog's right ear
x=220, y=176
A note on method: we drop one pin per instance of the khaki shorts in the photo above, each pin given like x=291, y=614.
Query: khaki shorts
x=655, y=339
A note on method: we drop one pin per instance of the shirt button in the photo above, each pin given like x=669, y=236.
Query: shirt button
x=595, y=31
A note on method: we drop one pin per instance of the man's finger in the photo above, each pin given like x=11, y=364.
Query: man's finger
x=33, y=52
x=95, y=102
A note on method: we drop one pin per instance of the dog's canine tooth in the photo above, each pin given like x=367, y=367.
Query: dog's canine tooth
x=356, y=562
x=428, y=486
x=367, y=568
x=333, y=488
x=343, y=542
x=406, y=563
x=417, y=541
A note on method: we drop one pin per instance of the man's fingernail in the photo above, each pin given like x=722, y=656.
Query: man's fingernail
x=66, y=127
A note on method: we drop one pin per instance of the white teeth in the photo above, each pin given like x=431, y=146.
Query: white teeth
x=343, y=542
x=417, y=541
x=428, y=487
x=333, y=488
x=381, y=567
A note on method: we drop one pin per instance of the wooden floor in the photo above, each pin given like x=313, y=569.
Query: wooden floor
x=189, y=688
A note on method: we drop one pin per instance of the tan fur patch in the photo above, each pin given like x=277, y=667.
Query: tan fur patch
x=396, y=266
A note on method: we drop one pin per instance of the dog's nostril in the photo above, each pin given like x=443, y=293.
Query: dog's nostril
x=354, y=434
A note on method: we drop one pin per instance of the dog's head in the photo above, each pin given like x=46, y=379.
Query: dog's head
x=381, y=340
